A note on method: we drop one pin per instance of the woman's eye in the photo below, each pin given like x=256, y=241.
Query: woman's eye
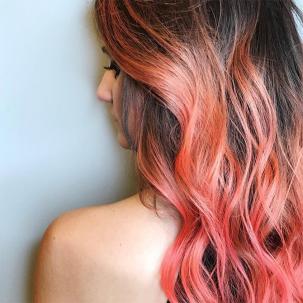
x=113, y=66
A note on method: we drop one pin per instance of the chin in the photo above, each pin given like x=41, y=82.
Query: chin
x=122, y=141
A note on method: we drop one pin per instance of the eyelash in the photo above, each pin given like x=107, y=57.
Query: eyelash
x=113, y=66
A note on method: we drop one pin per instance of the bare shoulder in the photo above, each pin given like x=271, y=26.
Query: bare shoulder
x=112, y=252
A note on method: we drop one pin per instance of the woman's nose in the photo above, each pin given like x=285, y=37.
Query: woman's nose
x=104, y=90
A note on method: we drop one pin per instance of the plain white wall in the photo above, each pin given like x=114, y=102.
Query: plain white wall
x=58, y=147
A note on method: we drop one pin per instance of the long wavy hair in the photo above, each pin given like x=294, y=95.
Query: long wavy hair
x=217, y=90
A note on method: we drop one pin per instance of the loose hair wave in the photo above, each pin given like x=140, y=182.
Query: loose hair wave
x=216, y=88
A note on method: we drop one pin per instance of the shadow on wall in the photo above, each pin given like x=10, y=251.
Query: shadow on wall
x=29, y=286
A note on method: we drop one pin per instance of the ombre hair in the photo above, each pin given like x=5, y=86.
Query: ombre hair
x=216, y=88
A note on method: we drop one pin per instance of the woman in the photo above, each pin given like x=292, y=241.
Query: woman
x=208, y=95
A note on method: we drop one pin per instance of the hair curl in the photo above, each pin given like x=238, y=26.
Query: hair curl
x=217, y=91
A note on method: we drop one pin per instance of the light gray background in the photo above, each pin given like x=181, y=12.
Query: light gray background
x=58, y=144
x=58, y=147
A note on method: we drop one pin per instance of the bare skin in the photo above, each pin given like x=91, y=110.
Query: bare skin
x=105, y=253
x=108, y=253
x=109, y=91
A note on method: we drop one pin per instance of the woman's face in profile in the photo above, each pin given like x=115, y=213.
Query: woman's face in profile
x=109, y=90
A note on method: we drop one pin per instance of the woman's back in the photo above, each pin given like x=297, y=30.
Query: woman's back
x=111, y=254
